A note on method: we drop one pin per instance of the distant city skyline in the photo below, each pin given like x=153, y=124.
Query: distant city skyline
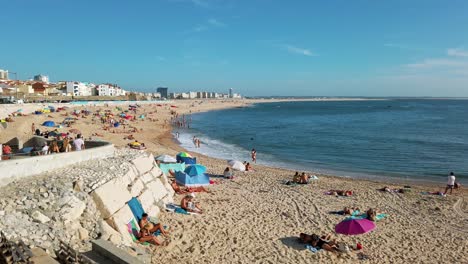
x=258, y=48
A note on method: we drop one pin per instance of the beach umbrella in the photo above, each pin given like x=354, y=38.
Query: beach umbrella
x=354, y=227
x=166, y=159
x=184, y=155
x=236, y=165
x=194, y=170
x=74, y=131
x=49, y=123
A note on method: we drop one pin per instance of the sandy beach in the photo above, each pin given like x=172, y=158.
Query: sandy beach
x=255, y=218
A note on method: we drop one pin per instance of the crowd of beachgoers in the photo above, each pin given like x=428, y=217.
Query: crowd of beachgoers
x=253, y=213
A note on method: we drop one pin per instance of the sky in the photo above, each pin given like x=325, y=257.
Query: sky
x=256, y=47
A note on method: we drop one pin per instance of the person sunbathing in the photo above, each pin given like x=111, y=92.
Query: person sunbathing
x=146, y=236
x=372, y=214
x=228, y=174
x=151, y=227
x=304, y=179
x=297, y=178
x=314, y=240
x=248, y=167
x=350, y=210
x=390, y=190
x=341, y=192
x=187, y=203
x=177, y=188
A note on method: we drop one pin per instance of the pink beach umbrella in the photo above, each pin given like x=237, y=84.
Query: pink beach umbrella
x=354, y=227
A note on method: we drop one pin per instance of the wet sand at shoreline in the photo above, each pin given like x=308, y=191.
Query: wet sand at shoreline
x=256, y=219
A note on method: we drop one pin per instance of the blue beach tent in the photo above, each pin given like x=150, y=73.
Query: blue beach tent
x=184, y=179
x=186, y=160
x=194, y=170
x=49, y=123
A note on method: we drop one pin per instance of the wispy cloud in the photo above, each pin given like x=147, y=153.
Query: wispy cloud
x=210, y=23
x=457, y=52
x=402, y=46
x=455, y=64
x=300, y=51
x=216, y=23
x=200, y=28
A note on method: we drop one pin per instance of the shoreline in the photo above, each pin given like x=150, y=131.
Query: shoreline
x=256, y=218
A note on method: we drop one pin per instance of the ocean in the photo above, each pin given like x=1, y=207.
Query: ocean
x=404, y=139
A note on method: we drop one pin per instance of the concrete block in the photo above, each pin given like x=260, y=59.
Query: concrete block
x=119, y=222
x=132, y=174
x=106, y=230
x=153, y=210
x=157, y=189
x=144, y=164
x=72, y=208
x=167, y=185
x=136, y=188
x=147, y=177
x=156, y=172
x=112, y=196
x=146, y=199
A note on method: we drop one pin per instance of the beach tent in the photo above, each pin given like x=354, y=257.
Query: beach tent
x=184, y=179
x=195, y=169
x=49, y=123
x=136, y=208
x=165, y=159
x=186, y=158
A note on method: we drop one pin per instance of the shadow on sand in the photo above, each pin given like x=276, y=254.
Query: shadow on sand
x=292, y=242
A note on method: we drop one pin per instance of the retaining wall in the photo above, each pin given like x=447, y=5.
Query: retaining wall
x=13, y=169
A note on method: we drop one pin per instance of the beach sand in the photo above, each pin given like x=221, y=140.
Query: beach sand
x=256, y=219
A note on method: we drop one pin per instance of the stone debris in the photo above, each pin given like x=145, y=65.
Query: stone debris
x=42, y=210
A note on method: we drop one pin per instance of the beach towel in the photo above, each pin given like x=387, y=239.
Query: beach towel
x=312, y=249
x=177, y=209
x=355, y=212
x=136, y=208
x=134, y=230
x=364, y=216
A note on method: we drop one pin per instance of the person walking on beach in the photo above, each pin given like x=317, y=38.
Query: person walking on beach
x=33, y=128
x=254, y=155
x=450, y=183
x=198, y=143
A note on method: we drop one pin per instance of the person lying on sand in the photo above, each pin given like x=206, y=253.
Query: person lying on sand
x=372, y=214
x=187, y=203
x=152, y=227
x=248, y=167
x=176, y=187
x=390, y=190
x=350, y=210
x=340, y=192
x=314, y=240
x=297, y=178
x=146, y=236
x=228, y=174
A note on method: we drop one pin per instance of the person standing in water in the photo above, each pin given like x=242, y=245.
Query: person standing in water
x=254, y=155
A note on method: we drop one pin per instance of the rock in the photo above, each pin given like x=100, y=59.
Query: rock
x=78, y=185
x=45, y=195
x=83, y=234
x=39, y=217
x=115, y=239
x=42, y=190
x=72, y=208
x=32, y=190
x=2, y=213
x=106, y=230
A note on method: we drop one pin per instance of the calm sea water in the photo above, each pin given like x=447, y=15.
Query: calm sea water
x=412, y=139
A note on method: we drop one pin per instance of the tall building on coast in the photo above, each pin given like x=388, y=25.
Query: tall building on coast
x=230, y=93
x=41, y=78
x=3, y=74
x=163, y=92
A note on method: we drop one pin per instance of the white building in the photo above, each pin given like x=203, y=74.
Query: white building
x=106, y=90
x=3, y=75
x=79, y=89
x=41, y=78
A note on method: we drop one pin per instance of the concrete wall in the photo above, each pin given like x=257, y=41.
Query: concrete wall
x=11, y=170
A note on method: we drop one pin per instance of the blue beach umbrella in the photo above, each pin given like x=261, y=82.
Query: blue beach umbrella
x=194, y=170
x=49, y=123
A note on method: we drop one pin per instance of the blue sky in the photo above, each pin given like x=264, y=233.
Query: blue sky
x=257, y=47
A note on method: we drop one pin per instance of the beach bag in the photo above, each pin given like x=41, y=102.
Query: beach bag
x=342, y=247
